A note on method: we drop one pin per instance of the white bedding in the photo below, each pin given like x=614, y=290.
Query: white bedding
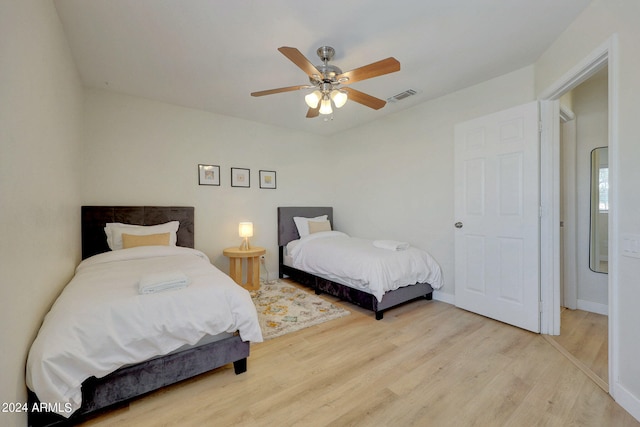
x=362, y=265
x=100, y=322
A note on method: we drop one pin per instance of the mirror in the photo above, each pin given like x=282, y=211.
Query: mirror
x=599, y=228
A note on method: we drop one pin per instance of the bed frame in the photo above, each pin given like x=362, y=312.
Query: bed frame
x=125, y=384
x=287, y=232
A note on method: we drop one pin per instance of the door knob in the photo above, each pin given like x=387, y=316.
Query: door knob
x=458, y=224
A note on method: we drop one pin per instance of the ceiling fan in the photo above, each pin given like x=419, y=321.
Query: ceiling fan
x=328, y=81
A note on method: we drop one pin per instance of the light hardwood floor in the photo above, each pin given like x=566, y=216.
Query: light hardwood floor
x=426, y=363
x=584, y=337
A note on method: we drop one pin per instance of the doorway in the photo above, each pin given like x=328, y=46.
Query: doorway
x=551, y=266
x=584, y=225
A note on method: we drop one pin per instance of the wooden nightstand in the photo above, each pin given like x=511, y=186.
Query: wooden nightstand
x=253, y=265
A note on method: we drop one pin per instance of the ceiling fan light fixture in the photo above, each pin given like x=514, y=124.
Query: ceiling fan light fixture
x=325, y=106
x=325, y=80
x=339, y=98
x=313, y=99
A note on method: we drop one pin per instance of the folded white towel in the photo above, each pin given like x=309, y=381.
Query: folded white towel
x=391, y=245
x=163, y=281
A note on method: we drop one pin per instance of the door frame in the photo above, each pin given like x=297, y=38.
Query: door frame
x=605, y=55
x=568, y=265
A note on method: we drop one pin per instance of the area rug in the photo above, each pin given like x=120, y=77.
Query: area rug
x=283, y=308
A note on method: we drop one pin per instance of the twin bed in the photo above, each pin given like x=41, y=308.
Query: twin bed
x=106, y=340
x=376, y=275
x=139, y=315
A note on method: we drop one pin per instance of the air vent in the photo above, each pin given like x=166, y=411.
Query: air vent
x=402, y=95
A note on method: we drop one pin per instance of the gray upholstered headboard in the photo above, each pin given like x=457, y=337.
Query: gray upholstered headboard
x=287, y=230
x=94, y=218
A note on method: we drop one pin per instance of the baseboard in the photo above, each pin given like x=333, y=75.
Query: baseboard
x=444, y=297
x=628, y=401
x=593, y=307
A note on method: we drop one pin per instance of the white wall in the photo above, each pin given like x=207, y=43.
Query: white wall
x=593, y=28
x=395, y=176
x=40, y=123
x=140, y=152
x=389, y=179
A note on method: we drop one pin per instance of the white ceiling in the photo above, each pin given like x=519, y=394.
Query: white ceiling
x=211, y=54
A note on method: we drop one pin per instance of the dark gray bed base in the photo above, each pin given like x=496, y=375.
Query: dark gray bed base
x=287, y=232
x=136, y=380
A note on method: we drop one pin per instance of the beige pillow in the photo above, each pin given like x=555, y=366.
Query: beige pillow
x=132, y=240
x=316, y=226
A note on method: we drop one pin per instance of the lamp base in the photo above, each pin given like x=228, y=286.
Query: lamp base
x=245, y=245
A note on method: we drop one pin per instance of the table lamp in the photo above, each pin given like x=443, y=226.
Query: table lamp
x=245, y=230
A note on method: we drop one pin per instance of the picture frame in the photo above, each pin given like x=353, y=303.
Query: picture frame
x=268, y=179
x=240, y=177
x=209, y=175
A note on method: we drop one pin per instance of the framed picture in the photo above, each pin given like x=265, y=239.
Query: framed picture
x=240, y=177
x=267, y=179
x=209, y=174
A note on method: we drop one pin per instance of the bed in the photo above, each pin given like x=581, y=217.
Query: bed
x=321, y=275
x=156, y=353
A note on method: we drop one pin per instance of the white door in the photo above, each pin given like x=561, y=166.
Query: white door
x=497, y=214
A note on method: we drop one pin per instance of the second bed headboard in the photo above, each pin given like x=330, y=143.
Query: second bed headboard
x=287, y=230
x=94, y=218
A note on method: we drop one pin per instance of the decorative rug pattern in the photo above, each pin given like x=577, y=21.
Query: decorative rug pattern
x=283, y=308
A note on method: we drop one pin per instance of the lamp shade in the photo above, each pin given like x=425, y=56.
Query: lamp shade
x=313, y=98
x=339, y=98
x=325, y=106
x=245, y=229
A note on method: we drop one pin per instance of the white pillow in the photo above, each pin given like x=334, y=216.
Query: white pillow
x=302, y=223
x=114, y=231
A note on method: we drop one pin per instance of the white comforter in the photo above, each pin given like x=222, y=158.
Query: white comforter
x=100, y=322
x=360, y=264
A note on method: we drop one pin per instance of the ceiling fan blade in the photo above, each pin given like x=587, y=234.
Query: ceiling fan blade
x=364, y=99
x=385, y=66
x=279, y=90
x=313, y=112
x=301, y=61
